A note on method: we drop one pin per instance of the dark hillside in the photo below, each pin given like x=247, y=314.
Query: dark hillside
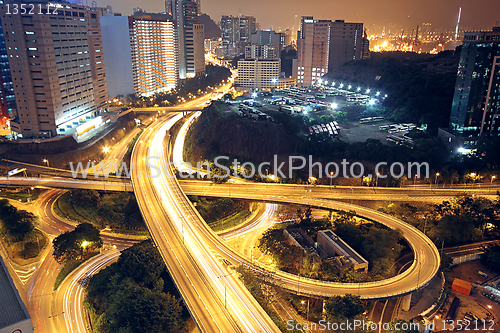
x=419, y=87
x=256, y=141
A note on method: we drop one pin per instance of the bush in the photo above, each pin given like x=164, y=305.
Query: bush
x=30, y=250
x=133, y=295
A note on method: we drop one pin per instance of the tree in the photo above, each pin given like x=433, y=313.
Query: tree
x=138, y=309
x=491, y=257
x=143, y=263
x=20, y=225
x=219, y=175
x=17, y=224
x=343, y=307
x=86, y=198
x=74, y=244
x=119, y=304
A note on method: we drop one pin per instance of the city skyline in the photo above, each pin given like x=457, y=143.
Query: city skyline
x=282, y=13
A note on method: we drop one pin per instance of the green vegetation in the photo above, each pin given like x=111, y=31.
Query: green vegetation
x=419, y=88
x=77, y=244
x=427, y=149
x=272, y=299
x=214, y=210
x=118, y=211
x=128, y=153
x=258, y=285
x=381, y=247
x=491, y=257
x=73, y=248
x=22, y=195
x=189, y=88
x=214, y=135
x=68, y=267
x=135, y=294
x=341, y=308
x=459, y=221
x=17, y=227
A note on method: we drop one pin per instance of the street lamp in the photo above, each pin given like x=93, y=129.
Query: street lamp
x=303, y=302
x=492, y=179
x=473, y=176
x=225, y=293
x=331, y=178
x=437, y=175
x=46, y=161
x=105, y=150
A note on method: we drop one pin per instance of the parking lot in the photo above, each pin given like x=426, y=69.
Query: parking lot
x=356, y=132
x=319, y=101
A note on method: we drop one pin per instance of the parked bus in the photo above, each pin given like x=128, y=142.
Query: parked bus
x=395, y=139
x=370, y=120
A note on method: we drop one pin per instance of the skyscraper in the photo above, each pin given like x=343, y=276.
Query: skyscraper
x=236, y=34
x=346, y=43
x=57, y=68
x=190, y=37
x=313, y=50
x=117, y=49
x=154, y=52
x=324, y=45
x=476, y=103
x=143, y=53
x=7, y=95
x=266, y=37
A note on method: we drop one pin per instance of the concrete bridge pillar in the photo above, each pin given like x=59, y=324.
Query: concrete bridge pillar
x=405, y=303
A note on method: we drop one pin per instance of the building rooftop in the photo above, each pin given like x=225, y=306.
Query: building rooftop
x=344, y=248
x=12, y=309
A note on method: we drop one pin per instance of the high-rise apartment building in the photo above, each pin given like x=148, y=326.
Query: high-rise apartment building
x=190, y=36
x=141, y=53
x=7, y=95
x=236, y=34
x=57, y=68
x=476, y=103
x=324, y=45
x=346, y=43
x=117, y=49
x=261, y=52
x=256, y=73
x=267, y=37
x=313, y=50
x=154, y=55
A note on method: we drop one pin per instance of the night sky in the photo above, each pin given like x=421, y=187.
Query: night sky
x=476, y=14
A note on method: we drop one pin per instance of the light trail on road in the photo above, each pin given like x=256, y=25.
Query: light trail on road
x=216, y=298
x=69, y=298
